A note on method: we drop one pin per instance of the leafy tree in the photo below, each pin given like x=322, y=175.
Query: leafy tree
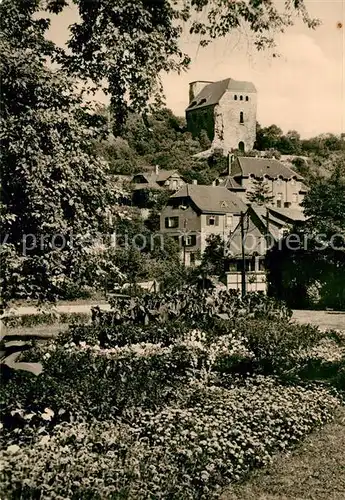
x=261, y=193
x=290, y=144
x=123, y=46
x=53, y=182
x=268, y=137
x=54, y=189
x=121, y=158
x=316, y=261
x=324, y=205
x=214, y=256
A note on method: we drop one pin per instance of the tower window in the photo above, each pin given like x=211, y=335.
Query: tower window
x=241, y=117
x=241, y=98
x=235, y=97
x=247, y=98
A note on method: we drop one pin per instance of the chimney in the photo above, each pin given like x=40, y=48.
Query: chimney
x=157, y=169
x=195, y=182
x=195, y=88
x=231, y=158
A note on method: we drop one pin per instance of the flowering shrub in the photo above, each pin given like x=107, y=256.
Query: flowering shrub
x=187, y=452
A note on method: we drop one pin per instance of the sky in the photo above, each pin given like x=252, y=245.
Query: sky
x=303, y=89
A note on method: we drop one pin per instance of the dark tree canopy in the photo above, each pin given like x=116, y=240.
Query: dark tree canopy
x=123, y=46
x=311, y=272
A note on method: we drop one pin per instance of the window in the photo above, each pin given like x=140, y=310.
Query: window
x=287, y=204
x=212, y=220
x=279, y=200
x=171, y=222
x=228, y=220
x=241, y=98
x=235, y=97
x=192, y=104
x=190, y=240
x=295, y=198
x=247, y=98
x=261, y=265
x=241, y=117
x=202, y=101
x=241, y=148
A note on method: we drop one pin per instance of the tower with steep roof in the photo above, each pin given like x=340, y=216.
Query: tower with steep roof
x=226, y=110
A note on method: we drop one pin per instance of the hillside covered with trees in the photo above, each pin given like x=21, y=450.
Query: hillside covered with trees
x=162, y=139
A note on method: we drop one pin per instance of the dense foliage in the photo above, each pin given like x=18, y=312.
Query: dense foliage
x=311, y=271
x=55, y=191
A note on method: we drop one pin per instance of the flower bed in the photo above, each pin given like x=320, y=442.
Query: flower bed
x=165, y=409
x=184, y=452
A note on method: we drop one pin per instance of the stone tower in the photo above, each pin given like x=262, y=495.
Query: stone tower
x=226, y=110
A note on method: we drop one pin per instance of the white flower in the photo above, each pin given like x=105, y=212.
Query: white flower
x=45, y=440
x=48, y=414
x=13, y=448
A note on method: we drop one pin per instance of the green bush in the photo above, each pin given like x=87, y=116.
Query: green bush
x=91, y=383
x=123, y=334
x=277, y=345
x=191, y=305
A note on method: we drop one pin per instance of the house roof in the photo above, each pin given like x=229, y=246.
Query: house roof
x=254, y=240
x=256, y=227
x=153, y=179
x=231, y=183
x=211, y=199
x=213, y=92
x=245, y=166
x=288, y=214
x=163, y=175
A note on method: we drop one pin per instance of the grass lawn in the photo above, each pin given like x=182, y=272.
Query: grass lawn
x=323, y=319
x=315, y=470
